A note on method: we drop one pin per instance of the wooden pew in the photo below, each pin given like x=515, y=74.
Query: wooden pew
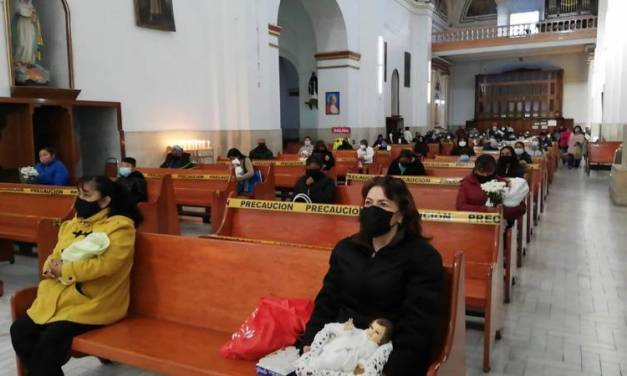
x=446, y=148
x=23, y=207
x=381, y=160
x=286, y=172
x=397, y=148
x=160, y=213
x=178, y=320
x=433, y=150
x=448, y=169
x=198, y=188
x=601, y=153
x=323, y=226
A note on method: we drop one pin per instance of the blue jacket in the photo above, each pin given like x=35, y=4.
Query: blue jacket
x=54, y=173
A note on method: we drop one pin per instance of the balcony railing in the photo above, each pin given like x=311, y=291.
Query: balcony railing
x=564, y=25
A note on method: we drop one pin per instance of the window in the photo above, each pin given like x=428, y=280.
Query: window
x=524, y=23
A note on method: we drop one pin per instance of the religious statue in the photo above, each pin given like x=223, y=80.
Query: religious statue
x=28, y=45
x=313, y=91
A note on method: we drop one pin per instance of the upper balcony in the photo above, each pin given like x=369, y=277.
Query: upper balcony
x=549, y=34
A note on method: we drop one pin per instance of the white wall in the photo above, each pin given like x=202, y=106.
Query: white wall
x=462, y=83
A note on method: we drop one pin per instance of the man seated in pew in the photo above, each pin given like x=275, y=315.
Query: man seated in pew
x=521, y=153
x=134, y=181
x=471, y=197
x=306, y=150
x=389, y=270
x=177, y=158
x=51, y=170
x=381, y=144
x=76, y=297
x=508, y=165
x=325, y=155
x=315, y=184
x=407, y=164
x=244, y=171
x=365, y=154
x=261, y=152
x=463, y=148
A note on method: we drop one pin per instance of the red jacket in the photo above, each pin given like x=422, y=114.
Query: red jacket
x=471, y=197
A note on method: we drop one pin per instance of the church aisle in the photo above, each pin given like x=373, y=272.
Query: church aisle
x=569, y=309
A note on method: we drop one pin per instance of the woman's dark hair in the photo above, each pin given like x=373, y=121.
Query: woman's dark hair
x=234, y=153
x=519, y=143
x=131, y=161
x=406, y=153
x=506, y=169
x=321, y=143
x=313, y=160
x=52, y=151
x=396, y=190
x=121, y=201
x=485, y=163
x=578, y=127
x=389, y=330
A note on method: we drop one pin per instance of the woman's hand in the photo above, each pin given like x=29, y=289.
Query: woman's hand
x=56, y=267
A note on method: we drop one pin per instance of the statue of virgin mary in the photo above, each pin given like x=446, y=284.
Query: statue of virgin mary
x=28, y=45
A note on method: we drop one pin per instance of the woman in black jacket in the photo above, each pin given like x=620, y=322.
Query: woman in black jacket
x=387, y=270
x=508, y=165
x=462, y=148
x=325, y=156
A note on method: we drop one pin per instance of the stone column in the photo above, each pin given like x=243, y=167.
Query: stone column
x=618, y=181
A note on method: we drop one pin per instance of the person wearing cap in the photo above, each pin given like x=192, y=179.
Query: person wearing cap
x=177, y=158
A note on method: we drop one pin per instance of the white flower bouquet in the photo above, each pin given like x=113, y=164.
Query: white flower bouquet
x=28, y=175
x=495, y=190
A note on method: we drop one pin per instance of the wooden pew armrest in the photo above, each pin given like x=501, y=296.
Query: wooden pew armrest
x=21, y=302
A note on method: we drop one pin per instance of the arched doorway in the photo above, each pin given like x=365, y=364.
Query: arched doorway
x=290, y=106
x=395, y=94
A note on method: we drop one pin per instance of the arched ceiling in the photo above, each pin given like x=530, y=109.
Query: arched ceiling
x=478, y=10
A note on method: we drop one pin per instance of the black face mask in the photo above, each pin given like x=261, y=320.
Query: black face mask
x=485, y=179
x=375, y=221
x=85, y=209
x=507, y=159
x=314, y=174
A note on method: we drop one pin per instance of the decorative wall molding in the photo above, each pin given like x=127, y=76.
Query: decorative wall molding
x=442, y=65
x=274, y=30
x=417, y=6
x=338, y=55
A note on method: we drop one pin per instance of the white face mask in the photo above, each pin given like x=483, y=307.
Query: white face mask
x=236, y=162
x=519, y=151
x=362, y=147
x=462, y=143
x=307, y=143
x=124, y=171
x=534, y=143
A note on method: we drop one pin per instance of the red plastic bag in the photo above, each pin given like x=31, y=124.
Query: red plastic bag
x=275, y=324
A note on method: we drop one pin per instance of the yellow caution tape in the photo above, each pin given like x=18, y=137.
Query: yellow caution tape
x=448, y=165
x=426, y=180
x=41, y=191
x=353, y=211
x=154, y=175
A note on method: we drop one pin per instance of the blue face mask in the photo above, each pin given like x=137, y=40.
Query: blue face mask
x=124, y=171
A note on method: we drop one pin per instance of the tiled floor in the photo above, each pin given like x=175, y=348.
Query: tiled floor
x=569, y=310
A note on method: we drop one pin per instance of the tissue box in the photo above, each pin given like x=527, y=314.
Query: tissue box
x=279, y=363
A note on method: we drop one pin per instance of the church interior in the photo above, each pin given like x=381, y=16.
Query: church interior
x=313, y=187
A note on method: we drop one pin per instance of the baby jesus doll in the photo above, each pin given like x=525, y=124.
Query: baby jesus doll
x=350, y=348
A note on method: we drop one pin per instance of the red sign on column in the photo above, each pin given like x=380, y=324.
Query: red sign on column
x=341, y=130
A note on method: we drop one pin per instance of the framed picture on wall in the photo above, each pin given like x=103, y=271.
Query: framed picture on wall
x=332, y=100
x=155, y=14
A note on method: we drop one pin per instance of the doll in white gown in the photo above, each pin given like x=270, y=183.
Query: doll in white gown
x=350, y=348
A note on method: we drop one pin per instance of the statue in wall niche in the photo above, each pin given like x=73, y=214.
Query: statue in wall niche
x=28, y=45
x=313, y=91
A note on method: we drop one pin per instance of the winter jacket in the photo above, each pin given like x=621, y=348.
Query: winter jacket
x=54, y=173
x=415, y=168
x=136, y=185
x=322, y=191
x=402, y=282
x=471, y=197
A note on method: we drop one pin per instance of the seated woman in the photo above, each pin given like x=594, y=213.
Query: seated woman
x=315, y=184
x=463, y=148
x=388, y=270
x=381, y=144
x=407, y=164
x=471, y=197
x=420, y=147
x=325, y=155
x=508, y=165
x=78, y=296
x=365, y=154
x=521, y=153
x=51, y=170
x=244, y=171
x=306, y=150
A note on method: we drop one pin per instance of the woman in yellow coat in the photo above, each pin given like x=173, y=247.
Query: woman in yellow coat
x=89, y=292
